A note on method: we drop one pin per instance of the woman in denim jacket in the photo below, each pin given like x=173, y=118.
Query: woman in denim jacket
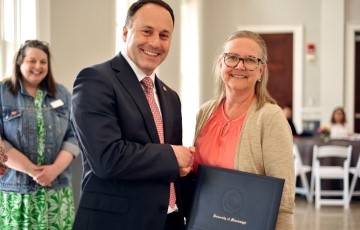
x=36, y=192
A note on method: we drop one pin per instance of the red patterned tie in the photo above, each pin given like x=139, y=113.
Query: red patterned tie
x=149, y=93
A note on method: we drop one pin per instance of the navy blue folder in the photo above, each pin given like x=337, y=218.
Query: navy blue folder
x=227, y=199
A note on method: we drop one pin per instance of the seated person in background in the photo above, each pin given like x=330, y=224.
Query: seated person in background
x=288, y=114
x=339, y=128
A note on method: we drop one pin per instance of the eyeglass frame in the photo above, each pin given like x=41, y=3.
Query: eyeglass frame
x=35, y=44
x=242, y=60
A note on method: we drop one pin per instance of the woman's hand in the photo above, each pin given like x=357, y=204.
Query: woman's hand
x=46, y=175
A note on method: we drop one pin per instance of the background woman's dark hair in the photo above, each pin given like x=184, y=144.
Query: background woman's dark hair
x=341, y=109
x=13, y=82
x=138, y=4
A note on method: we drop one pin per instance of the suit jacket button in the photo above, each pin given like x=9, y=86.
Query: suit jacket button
x=163, y=209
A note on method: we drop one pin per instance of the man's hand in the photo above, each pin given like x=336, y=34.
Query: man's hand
x=185, y=158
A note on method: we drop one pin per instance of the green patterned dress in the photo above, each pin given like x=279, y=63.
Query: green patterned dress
x=43, y=209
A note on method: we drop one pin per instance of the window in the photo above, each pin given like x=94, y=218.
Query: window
x=122, y=7
x=17, y=24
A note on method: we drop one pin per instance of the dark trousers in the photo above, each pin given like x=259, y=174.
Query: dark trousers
x=174, y=221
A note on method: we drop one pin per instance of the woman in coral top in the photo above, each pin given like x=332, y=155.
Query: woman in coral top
x=243, y=128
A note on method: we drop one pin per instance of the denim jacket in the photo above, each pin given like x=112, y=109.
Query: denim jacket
x=18, y=130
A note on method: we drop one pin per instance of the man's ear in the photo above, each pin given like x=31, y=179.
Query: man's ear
x=124, y=33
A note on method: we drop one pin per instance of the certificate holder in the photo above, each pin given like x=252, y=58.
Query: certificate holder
x=231, y=199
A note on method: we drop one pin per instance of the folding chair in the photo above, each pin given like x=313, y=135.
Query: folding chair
x=301, y=171
x=331, y=172
x=356, y=174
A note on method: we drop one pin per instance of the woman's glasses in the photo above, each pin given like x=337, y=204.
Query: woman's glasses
x=232, y=60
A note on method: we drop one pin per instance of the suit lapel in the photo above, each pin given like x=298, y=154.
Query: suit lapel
x=162, y=92
x=128, y=79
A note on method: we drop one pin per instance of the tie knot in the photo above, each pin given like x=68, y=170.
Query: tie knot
x=147, y=83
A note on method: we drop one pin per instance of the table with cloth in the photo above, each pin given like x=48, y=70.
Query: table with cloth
x=306, y=144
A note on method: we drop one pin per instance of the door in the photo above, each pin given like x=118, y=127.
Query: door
x=280, y=66
x=357, y=84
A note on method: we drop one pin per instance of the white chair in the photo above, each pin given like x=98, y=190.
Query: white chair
x=300, y=172
x=331, y=172
x=356, y=174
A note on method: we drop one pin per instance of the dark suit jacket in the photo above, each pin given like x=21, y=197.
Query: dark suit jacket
x=292, y=126
x=127, y=173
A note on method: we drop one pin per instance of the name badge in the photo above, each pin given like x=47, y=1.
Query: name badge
x=57, y=103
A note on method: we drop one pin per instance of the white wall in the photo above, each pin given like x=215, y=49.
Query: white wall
x=82, y=33
x=85, y=31
x=221, y=18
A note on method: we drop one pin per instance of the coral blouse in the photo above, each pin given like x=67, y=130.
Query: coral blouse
x=216, y=143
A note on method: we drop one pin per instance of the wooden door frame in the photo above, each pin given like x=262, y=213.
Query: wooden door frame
x=298, y=62
x=351, y=29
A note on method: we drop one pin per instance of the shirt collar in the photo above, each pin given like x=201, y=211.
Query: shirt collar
x=139, y=74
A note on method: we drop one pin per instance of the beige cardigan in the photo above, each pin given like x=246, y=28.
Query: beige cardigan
x=264, y=147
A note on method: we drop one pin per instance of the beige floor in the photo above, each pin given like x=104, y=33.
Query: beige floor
x=327, y=217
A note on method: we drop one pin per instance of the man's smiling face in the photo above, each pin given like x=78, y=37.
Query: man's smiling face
x=148, y=38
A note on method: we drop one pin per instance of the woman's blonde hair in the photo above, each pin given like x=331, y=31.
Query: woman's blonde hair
x=261, y=91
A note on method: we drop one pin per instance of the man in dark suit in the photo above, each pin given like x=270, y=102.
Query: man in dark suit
x=288, y=114
x=127, y=168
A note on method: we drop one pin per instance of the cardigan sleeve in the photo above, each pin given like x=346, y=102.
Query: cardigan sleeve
x=265, y=148
x=279, y=162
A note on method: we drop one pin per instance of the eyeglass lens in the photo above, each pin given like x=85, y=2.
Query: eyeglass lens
x=249, y=63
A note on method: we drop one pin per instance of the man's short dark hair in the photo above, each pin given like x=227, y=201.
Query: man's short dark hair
x=140, y=3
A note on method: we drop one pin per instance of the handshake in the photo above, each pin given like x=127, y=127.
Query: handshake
x=185, y=158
